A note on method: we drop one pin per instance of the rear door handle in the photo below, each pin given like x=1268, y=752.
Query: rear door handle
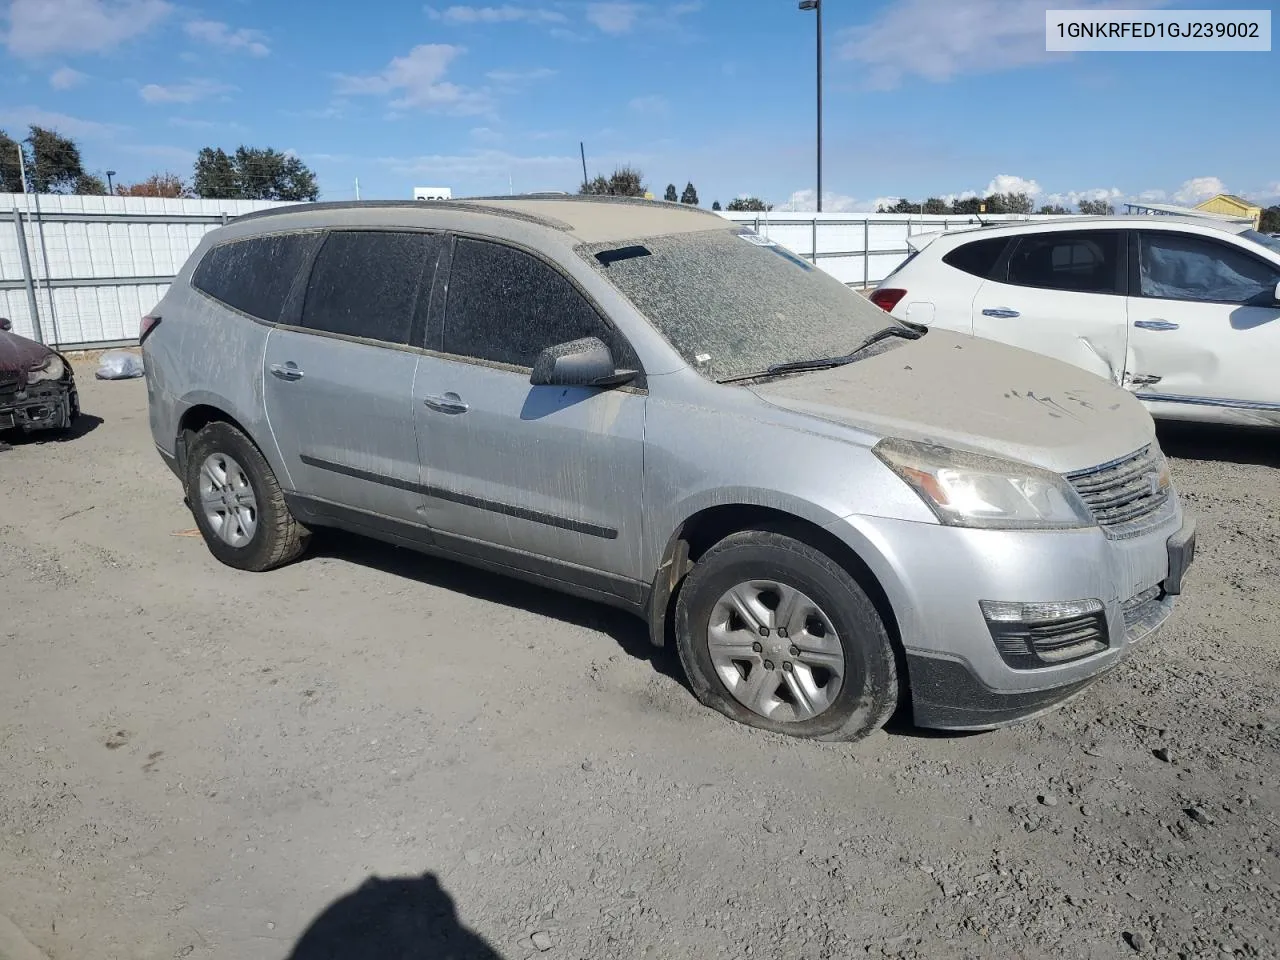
x=448, y=403
x=286, y=371
x=1155, y=325
x=1000, y=312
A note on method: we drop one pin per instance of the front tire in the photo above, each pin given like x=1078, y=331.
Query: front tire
x=774, y=633
x=237, y=502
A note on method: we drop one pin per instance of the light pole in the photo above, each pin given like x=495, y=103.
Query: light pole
x=816, y=7
x=110, y=189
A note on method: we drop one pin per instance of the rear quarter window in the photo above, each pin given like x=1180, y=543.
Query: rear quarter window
x=255, y=275
x=978, y=257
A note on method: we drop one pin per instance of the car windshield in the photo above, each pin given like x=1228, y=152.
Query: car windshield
x=733, y=302
x=1271, y=243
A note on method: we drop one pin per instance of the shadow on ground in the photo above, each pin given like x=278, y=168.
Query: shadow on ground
x=1209, y=441
x=401, y=918
x=85, y=423
x=629, y=632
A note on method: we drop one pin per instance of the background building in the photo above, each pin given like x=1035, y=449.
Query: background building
x=1233, y=206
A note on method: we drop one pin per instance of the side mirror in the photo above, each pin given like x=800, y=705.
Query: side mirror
x=5, y=324
x=578, y=363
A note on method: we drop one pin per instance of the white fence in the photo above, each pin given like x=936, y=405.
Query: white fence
x=859, y=249
x=81, y=271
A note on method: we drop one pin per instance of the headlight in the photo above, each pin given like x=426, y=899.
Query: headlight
x=973, y=490
x=51, y=369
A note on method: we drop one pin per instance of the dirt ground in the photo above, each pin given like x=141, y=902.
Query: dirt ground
x=370, y=754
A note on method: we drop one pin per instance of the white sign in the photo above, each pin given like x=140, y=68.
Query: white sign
x=432, y=193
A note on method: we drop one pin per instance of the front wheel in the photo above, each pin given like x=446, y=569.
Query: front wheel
x=237, y=502
x=774, y=633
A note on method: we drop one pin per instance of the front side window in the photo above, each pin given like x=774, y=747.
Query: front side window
x=365, y=283
x=1183, y=266
x=1084, y=261
x=733, y=303
x=255, y=275
x=507, y=306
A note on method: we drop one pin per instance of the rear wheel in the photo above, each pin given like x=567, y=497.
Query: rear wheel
x=774, y=633
x=237, y=502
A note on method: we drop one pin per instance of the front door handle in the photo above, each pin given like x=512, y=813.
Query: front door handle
x=1000, y=312
x=447, y=403
x=1155, y=325
x=286, y=371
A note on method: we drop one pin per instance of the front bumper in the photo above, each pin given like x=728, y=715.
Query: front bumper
x=935, y=577
x=48, y=405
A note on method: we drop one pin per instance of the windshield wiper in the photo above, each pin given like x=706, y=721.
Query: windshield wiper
x=825, y=363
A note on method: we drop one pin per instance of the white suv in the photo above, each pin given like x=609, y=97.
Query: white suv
x=1184, y=312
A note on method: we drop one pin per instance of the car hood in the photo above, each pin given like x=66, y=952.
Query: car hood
x=18, y=355
x=977, y=395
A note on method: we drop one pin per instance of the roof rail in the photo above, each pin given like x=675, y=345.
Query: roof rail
x=596, y=198
x=462, y=204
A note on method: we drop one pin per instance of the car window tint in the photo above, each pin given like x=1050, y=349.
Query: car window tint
x=1082, y=261
x=1181, y=266
x=365, y=283
x=979, y=257
x=255, y=275
x=507, y=306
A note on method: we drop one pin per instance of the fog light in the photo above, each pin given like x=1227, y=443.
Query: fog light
x=1031, y=635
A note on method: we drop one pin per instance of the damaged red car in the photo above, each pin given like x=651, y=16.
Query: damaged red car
x=37, y=385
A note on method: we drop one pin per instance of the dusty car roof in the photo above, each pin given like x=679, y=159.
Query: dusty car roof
x=586, y=219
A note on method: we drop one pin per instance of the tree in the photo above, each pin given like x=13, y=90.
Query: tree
x=90, y=185
x=253, y=173
x=748, y=205
x=1270, y=222
x=715, y=204
x=968, y=206
x=1053, y=210
x=670, y=195
x=690, y=195
x=157, y=185
x=935, y=205
x=1096, y=208
x=53, y=164
x=1009, y=203
x=901, y=206
x=625, y=182
x=10, y=169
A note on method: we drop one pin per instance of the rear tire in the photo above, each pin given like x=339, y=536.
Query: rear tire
x=237, y=502
x=775, y=634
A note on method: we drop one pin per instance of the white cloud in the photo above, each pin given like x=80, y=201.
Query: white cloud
x=1008, y=183
x=218, y=34
x=188, y=123
x=803, y=200
x=1197, y=189
x=64, y=78
x=418, y=79
x=188, y=92
x=503, y=14
x=520, y=76
x=1153, y=196
x=613, y=17
x=485, y=135
x=940, y=41
x=652, y=105
x=491, y=164
x=61, y=122
x=40, y=27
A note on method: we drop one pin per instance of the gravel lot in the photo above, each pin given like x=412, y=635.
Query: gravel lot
x=200, y=763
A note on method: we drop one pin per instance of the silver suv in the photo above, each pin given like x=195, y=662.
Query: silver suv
x=650, y=406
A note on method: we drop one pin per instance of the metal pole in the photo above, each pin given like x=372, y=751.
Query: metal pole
x=866, y=252
x=53, y=315
x=818, y=10
x=814, y=258
x=583, y=150
x=32, y=303
x=357, y=188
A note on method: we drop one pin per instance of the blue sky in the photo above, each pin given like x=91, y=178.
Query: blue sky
x=923, y=97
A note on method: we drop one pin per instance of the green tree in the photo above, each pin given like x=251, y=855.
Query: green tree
x=10, y=169
x=1096, y=208
x=252, y=173
x=1053, y=210
x=748, y=205
x=1010, y=203
x=902, y=205
x=690, y=195
x=53, y=161
x=90, y=185
x=625, y=182
x=715, y=204
x=935, y=206
x=215, y=175
x=968, y=206
x=1270, y=222
x=670, y=195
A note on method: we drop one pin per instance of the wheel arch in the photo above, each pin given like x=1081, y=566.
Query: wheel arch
x=202, y=411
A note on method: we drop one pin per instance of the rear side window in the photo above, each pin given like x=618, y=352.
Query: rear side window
x=507, y=307
x=1180, y=266
x=366, y=283
x=1084, y=261
x=255, y=275
x=979, y=257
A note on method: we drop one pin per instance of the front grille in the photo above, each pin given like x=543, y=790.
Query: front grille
x=1127, y=496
